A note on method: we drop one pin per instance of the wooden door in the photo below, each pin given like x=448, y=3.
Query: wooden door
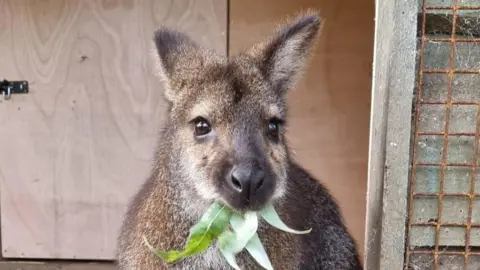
x=76, y=148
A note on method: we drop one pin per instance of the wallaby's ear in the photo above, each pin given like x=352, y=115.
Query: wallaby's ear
x=172, y=47
x=283, y=57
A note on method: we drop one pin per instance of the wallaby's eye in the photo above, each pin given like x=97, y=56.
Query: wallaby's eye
x=202, y=126
x=274, y=127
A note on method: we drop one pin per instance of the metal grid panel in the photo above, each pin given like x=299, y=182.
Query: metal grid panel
x=444, y=203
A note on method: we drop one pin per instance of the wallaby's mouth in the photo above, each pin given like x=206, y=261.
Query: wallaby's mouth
x=244, y=206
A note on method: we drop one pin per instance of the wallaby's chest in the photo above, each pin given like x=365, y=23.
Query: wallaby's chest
x=212, y=259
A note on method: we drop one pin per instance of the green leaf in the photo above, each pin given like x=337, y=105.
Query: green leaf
x=214, y=221
x=245, y=236
x=210, y=226
x=228, y=255
x=227, y=241
x=257, y=251
x=270, y=215
x=245, y=227
x=166, y=256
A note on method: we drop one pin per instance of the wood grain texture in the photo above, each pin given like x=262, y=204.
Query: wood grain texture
x=330, y=109
x=76, y=148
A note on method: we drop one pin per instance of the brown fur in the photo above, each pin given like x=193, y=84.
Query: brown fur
x=239, y=97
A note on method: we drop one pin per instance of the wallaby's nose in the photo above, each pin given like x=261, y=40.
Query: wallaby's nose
x=246, y=181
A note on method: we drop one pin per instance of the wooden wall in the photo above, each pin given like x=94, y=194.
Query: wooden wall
x=330, y=110
x=75, y=149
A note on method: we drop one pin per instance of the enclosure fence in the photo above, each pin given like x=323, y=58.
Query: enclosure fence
x=444, y=194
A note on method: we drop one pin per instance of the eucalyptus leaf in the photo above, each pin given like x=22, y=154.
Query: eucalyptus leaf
x=270, y=215
x=257, y=251
x=245, y=227
x=213, y=225
x=213, y=221
x=227, y=242
x=166, y=256
x=210, y=226
x=229, y=257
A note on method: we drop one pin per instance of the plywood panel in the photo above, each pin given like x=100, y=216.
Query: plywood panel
x=74, y=150
x=329, y=116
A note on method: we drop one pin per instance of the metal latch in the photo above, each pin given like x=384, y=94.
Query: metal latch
x=8, y=88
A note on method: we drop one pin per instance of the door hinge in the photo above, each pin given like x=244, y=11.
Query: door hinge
x=8, y=88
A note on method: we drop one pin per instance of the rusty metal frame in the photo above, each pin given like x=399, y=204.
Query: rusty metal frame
x=451, y=71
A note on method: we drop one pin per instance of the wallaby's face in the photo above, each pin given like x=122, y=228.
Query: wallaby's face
x=229, y=116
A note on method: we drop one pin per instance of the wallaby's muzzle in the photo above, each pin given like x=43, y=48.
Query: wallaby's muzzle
x=249, y=185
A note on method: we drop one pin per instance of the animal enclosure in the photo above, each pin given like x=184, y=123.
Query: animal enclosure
x=81, y=141
x=430, y=214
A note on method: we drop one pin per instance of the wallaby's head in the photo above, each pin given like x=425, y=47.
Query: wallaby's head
x=227, y=116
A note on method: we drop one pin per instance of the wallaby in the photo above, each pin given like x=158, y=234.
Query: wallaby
x=224, y=139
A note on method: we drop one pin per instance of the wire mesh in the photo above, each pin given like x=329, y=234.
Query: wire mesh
x=444, y=204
